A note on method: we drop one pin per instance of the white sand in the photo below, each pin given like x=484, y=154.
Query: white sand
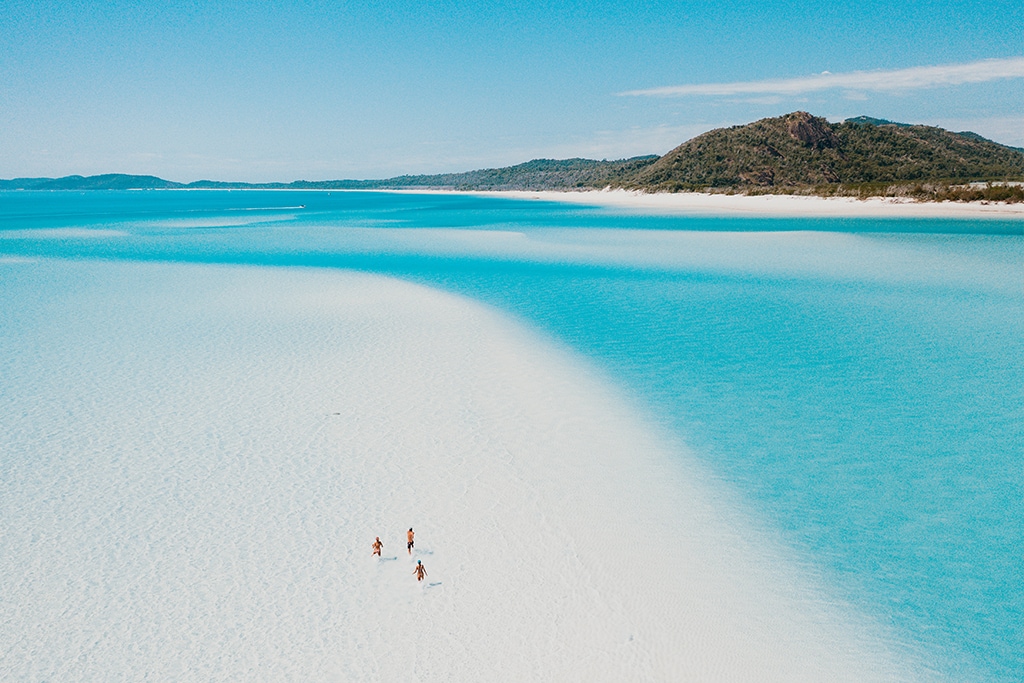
x=701, y=203
x=198, y=458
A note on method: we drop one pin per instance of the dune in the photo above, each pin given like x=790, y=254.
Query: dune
x=199, y=458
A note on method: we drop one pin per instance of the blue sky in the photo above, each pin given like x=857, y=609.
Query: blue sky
x=265, y=90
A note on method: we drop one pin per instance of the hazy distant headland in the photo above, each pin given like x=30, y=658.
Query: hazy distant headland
x=793, y=154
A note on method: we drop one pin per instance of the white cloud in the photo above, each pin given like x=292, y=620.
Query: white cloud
x=875, y=81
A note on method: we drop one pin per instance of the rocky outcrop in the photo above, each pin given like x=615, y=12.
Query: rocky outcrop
x=811, y=131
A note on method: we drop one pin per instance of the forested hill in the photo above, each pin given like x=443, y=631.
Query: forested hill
x=108, y=181
x=538, y=174
x=557, y=174
x=797, y=152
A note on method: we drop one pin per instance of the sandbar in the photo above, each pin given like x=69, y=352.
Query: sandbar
x=201, y=457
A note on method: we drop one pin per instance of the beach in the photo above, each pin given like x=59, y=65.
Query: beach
x=632, y=447
x=299, y=382
x=207, y=511
x=702, y=204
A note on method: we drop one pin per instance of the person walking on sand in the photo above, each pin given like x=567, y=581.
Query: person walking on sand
x=377, y=545
x=420, y=570
x=410, y=535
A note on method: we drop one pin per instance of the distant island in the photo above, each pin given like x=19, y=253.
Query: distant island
x=793, y=154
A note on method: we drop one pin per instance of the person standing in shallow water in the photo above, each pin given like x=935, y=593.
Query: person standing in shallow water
x=410, y=535
x=377, y=545
x=420, y=570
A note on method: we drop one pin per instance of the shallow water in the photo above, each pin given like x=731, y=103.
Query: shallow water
x=857, y=383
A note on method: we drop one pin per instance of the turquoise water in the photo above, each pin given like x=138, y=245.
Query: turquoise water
x=858, y=383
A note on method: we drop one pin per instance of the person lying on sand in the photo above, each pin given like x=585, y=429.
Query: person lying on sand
x=377, y=545
x=420, y=570
x=409, y=536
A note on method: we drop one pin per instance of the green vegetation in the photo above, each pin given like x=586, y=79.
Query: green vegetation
x=793, y=154
x=935, y=192
x=108, y=181
x=802, y=153
x=539, y=174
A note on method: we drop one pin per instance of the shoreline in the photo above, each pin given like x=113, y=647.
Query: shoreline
x=763, y=206
x=564, y=538
x=689, y=203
